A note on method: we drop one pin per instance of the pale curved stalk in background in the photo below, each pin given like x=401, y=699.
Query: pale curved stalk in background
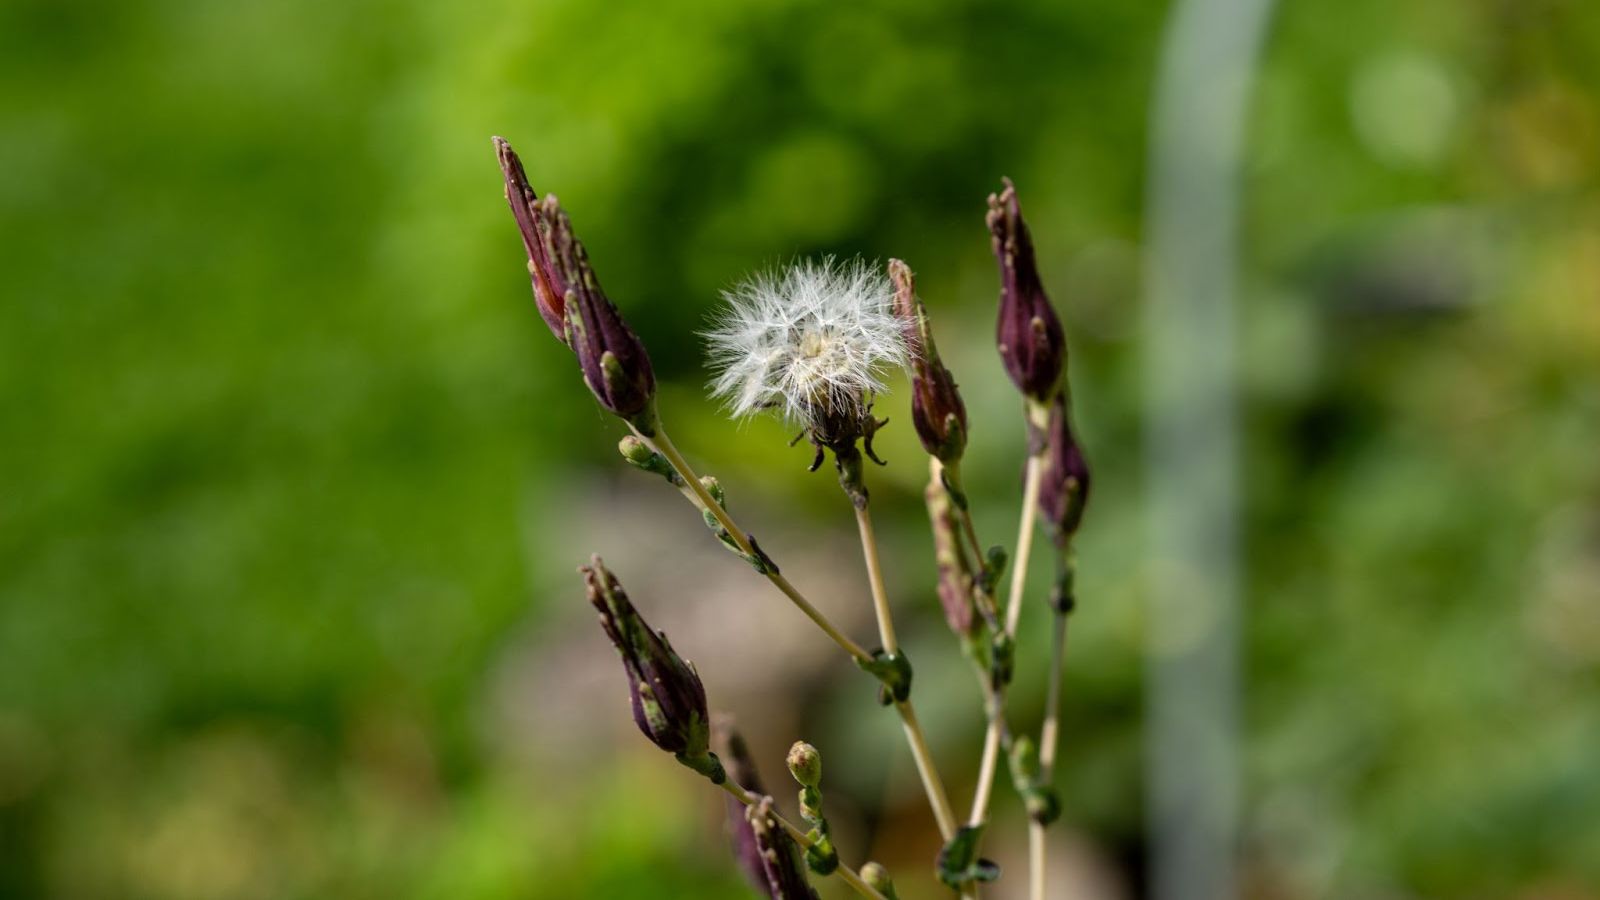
x=1197, y=128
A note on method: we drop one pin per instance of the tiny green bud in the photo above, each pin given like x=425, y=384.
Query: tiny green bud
x=1003, y=658
x=805, y=764
x=714, y=488
x=1024, y=760
x=877, y=878
x=635, y=452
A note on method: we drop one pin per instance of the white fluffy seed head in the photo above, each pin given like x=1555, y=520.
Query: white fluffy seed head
x=809, y=338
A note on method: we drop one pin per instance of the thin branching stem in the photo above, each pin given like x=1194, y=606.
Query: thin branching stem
x=880, y=596
x=1048, y=735
x=938, y=800
x=845, y=873
x=1019, y=574
x=1037, y=860
x=703, y=499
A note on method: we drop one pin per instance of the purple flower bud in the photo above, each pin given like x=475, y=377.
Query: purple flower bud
x=782, y=869
x=1029, y=334
x=937, y=411
x=669, y=702
x=1064, y=487
x=614, y=362
x=533, y=220
x=731, y=749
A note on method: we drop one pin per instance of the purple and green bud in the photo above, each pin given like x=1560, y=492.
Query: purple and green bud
x=534, y=221
x=735, y=755
x=1029, y=335
x=614, y=362
x=1064, y=486
x=669, y=701
x=937, y=411
x=783, y=875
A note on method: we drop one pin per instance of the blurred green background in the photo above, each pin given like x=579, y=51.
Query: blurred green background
x=294, y=479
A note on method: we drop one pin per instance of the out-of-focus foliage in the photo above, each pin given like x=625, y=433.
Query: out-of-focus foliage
x=286, y=452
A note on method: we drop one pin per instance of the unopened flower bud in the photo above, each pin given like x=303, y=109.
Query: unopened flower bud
x=937, y=411
x=533, y=221
x=639, y=454
x=877, y=878
x=1064, y=485
x=1032, y=345
x=805, y=764
x=669, y=701
x=614, y=362
x=784, y=873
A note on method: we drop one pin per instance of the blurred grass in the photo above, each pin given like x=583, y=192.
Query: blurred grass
x=278, y=423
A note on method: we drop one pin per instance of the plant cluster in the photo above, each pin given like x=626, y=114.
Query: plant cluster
x=813, y=343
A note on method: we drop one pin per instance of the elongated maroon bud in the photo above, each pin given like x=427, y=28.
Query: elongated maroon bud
x=937, y=411
x=1029, y=334
x=614, y=362
x=1064, y=488
x=730, y=748
x=782, y=868
x=549, y=289
x=615, y=365
x=669, y=702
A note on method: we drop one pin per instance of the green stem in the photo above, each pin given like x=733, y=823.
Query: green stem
x=1019, y=572
x=938, y=800
x=663, y=445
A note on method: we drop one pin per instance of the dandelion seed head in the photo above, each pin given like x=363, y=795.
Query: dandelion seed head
x=808, y=339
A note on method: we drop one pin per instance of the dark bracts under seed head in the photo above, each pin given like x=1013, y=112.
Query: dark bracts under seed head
x=669, y=701
x=615, y=365
x=1029, y=335
x=1064, y=485
x=937, y=411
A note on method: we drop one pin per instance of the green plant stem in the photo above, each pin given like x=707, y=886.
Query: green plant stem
x=949, y=475
x=948, y=478
x=1037, y=860
x=703, y=499
x=845, y=873
x=938, y=800
x=880, y=596
x=1019, y=575
x=1048, y=735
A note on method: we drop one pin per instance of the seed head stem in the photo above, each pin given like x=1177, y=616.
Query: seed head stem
x=937, y=798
